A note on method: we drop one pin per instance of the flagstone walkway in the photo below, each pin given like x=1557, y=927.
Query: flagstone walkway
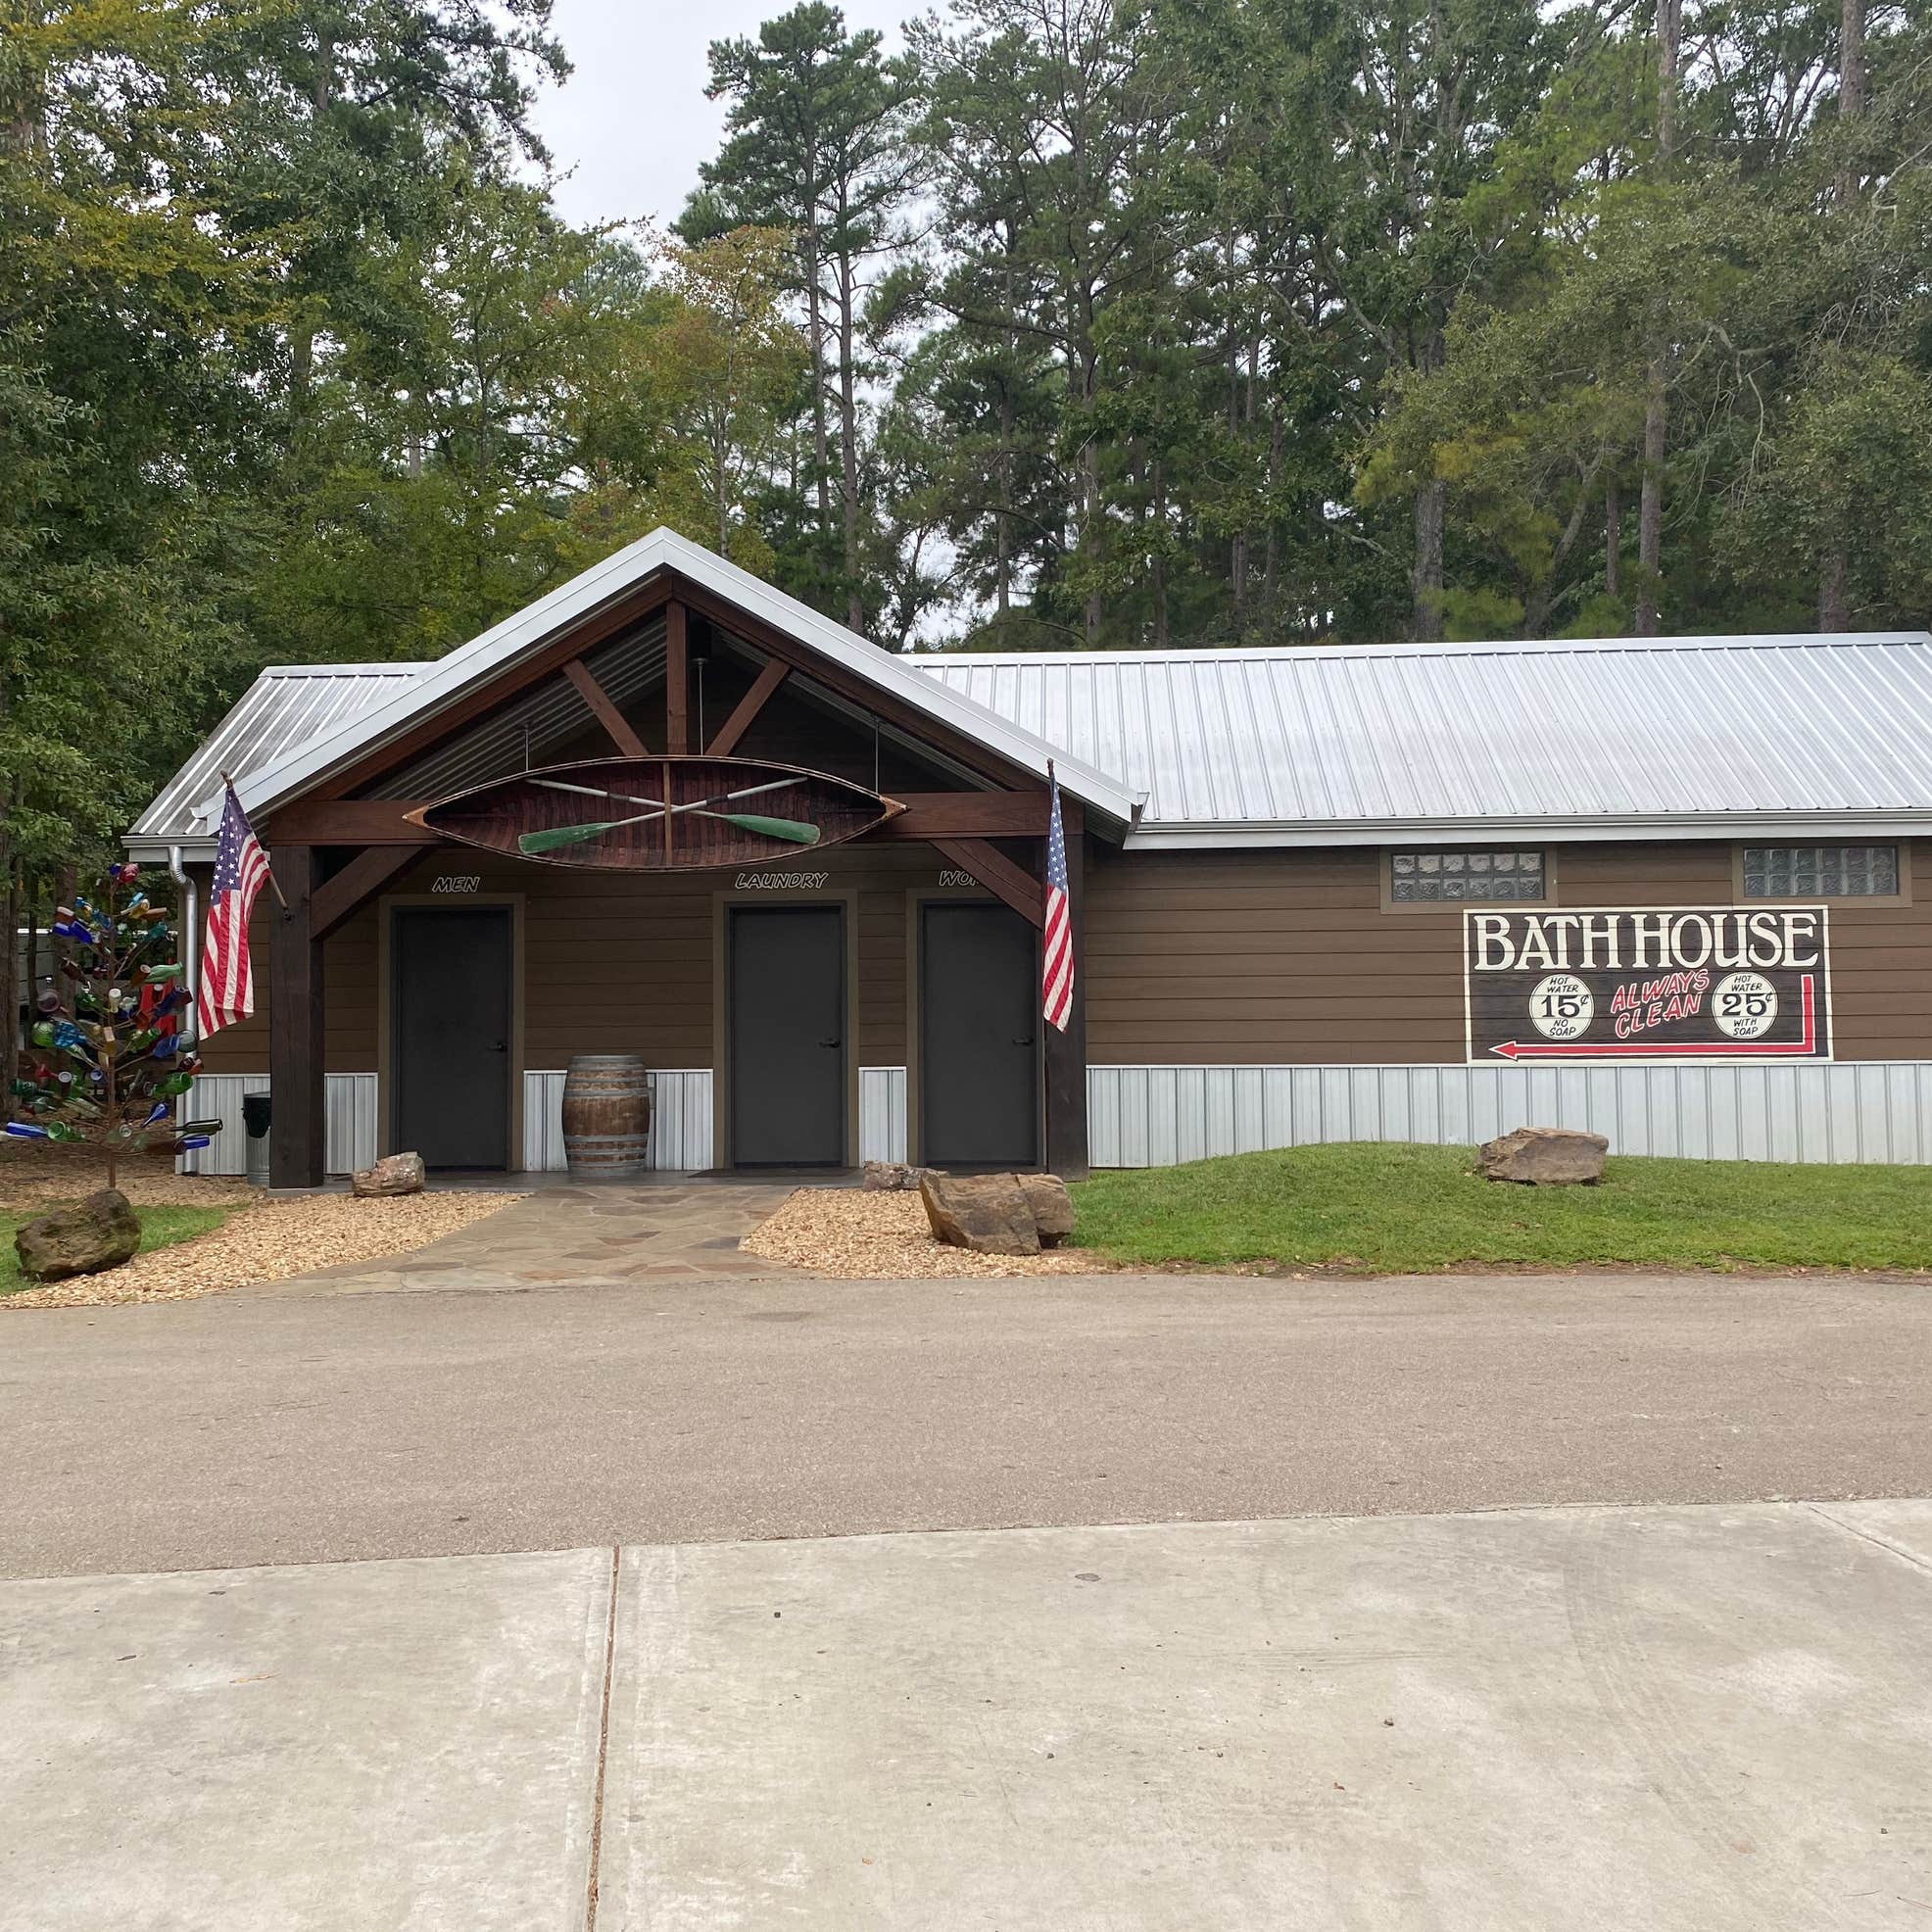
x=659, y=1231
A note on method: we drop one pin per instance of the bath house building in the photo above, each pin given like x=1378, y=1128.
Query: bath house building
x=1663, y=887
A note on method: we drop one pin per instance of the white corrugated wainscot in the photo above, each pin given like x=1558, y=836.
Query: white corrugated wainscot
x=1870, y=1110
x=882, y=1113
x=348, y=1121
x=680, y=1120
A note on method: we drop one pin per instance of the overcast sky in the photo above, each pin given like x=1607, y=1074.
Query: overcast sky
x=632, y=121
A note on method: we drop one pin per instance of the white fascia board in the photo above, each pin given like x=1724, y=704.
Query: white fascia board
x=1559, y=831
x=500, y=647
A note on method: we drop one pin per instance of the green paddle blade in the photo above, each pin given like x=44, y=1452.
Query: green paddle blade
x=563, y=835
x=792, y=831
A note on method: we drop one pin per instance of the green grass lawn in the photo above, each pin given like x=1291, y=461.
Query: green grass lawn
x=1397, y=1209
x=160, y=1227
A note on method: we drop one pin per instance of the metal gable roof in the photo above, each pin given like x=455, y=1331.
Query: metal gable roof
x=287, y=707
x=1278, y=744
x=498, y=648
x=1594, y=738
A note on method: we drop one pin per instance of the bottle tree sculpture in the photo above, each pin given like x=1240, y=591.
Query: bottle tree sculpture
x=106, y=1057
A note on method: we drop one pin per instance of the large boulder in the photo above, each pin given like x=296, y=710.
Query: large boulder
x=987, y=1212
x=1545, y=1156
x=393, y=1174
x=102, y=1232
x=998, y=1213
x=1052, y=1206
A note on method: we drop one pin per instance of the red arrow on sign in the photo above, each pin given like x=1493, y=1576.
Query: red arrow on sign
x=1729, y=1049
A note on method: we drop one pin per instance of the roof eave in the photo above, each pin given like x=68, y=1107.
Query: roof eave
x=1198, y=835
x=624, y=574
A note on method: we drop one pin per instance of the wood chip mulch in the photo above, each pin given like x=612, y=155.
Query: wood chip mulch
x=262, y=1240
x=853, y=1236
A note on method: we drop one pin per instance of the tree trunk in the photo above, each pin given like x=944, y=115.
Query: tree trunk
x=1003, y=536
x=1090, y=470
x=815, y=334
x=1851, y=60
x=1650, y=502
x=1271, y=546
x=302, y=336
x=848, y=447
x=10, y=985
x=1613, y=540
x=1160, y=560
x=1834, y=591
x=1835, y=566
x=1425, y=573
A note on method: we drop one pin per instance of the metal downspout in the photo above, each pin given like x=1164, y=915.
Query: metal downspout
x=190, y=937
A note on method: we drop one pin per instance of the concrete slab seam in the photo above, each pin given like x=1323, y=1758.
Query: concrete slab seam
x=602, y=1743
x=1885, y=1543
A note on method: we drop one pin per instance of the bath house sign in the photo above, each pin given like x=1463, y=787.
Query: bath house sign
x=1655, y=982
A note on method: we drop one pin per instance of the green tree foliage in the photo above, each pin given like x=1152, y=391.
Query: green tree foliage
x=816, y=150
x=1134, y=324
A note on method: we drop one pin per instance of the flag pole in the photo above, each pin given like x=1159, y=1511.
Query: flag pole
x=228, y=786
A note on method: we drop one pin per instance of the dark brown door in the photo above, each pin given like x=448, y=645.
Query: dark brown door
x=979, y=1051
x=450, y=1033
x=787, y=1027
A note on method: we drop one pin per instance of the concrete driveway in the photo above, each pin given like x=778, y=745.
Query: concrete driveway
x=1687, y=1720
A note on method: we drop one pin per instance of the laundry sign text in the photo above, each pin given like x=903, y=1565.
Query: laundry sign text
x=1614, y=983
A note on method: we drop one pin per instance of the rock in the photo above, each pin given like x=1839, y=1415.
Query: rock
x=879, y=1176
x=103, y=1231
x=1545, y=1156
x=1052, y=1206
x=986, y=1212
x=393, y=1174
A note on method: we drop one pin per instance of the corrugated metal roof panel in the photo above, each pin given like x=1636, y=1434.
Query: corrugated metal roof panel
x=1298, y=743
x=287, y=704
x=1619, y=729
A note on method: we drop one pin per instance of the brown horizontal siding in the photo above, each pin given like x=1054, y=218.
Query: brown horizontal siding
x=611, y=964
x=1241, y=958
x=1290, y=957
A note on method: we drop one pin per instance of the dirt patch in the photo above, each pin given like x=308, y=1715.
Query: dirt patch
x=31, y=1172
x=262, y=1240
x=857, y=1237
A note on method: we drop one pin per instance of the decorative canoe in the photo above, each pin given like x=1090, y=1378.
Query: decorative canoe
x=692, y=814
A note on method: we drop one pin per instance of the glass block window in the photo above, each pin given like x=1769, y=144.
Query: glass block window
x=1423, y=876
x=1820, y=872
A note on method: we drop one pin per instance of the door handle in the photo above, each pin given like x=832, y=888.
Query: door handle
x=500, y=1047
x=832, y=1042
x=1023, y=1039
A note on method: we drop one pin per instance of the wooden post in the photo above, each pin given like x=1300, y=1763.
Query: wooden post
x=1064, y=1062
x=677, y=683
x=298, y=1146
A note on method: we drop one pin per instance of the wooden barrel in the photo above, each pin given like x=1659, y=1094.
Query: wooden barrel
x=607, y=1116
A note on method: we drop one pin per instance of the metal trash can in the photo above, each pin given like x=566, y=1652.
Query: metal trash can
x=255, y=1120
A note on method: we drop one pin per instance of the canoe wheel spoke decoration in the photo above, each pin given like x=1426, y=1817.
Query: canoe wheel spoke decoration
x=686, y=814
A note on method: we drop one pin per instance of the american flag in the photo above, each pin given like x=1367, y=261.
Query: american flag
x=241, y=870
x=1057, y=969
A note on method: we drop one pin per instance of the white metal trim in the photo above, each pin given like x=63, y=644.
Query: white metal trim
x=349, y=1135
x=882, y=1113
x=1876, y=1111
x=680, y=1120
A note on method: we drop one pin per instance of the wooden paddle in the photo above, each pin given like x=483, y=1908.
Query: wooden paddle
x=792, y=831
